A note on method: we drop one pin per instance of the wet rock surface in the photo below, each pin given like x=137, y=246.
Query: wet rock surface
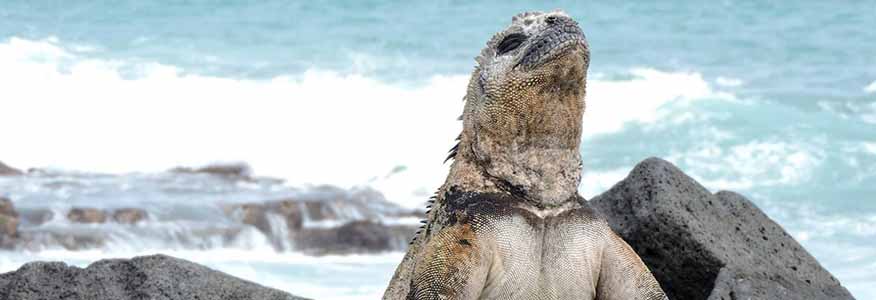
x=325, y=220
x=9, y=171
x=354, y=237
x=9, y=220
x=701, y=245
x=238, y=170
x=156, y=277
x=86, y=215
x=36, y=217
x=129, y=215
x=334, y=223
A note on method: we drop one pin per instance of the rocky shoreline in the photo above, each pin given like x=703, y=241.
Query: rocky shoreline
x=325, y=220
x=156, y=277
x=327, y=233
x=699, y=245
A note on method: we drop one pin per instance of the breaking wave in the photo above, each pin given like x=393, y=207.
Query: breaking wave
x=317, y=127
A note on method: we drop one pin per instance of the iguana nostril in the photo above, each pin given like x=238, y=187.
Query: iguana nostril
x=550, y=20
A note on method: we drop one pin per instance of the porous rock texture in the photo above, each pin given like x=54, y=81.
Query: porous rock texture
x=156, y=277
x=701, y=245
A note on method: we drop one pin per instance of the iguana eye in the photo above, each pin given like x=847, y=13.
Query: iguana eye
x=511, y=42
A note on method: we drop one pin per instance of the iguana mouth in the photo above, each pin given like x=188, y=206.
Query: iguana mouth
x=562, y=35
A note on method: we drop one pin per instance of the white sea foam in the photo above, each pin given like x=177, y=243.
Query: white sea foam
x=870, y=88
x=761, y=163
x=870, y=147
x=643, y=99
x=728, y=82
x=836, y=240
x=594, y=182
x=317, y=127
x=864, y=111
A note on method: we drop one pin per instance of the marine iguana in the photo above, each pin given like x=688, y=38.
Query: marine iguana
x=508, y=222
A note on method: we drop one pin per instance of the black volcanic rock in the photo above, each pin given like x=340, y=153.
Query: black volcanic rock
x=9, y=171
x=156, y=277
x=701, y=245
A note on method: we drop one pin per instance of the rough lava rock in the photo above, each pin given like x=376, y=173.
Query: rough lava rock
x=701, y=245
x=156, y=277
x=9, y=171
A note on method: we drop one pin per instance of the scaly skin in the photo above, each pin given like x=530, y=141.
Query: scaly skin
x=508, y=222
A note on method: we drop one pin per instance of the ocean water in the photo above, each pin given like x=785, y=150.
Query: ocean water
x=774, y=100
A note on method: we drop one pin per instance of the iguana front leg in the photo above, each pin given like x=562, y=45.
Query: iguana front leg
x=623, y=275
x=400, y=284
x=453, y=264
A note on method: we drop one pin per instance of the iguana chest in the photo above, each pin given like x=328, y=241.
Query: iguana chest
x=525, y=253
x=541, y=258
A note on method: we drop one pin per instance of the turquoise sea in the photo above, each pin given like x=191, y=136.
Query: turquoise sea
x=775, y=100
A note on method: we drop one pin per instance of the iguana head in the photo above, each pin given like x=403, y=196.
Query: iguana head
x=525, y=101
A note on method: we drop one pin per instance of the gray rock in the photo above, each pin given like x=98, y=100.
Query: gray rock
x=156, y=277
x=701, y=245
x=36, y=217
x=9, y=171
x=129, y=215
x=235, y=170
x=329, y=220
x=9, y=220
x=6, y=207
x=256, y=215
x=354, y=237
x=86, y=215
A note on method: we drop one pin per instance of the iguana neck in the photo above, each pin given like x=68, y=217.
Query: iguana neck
x=546, y=177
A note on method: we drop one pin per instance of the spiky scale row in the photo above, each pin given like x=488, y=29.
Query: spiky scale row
x=452, y=153
x=488, y=51
x=424, y=223
x=455, y=149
